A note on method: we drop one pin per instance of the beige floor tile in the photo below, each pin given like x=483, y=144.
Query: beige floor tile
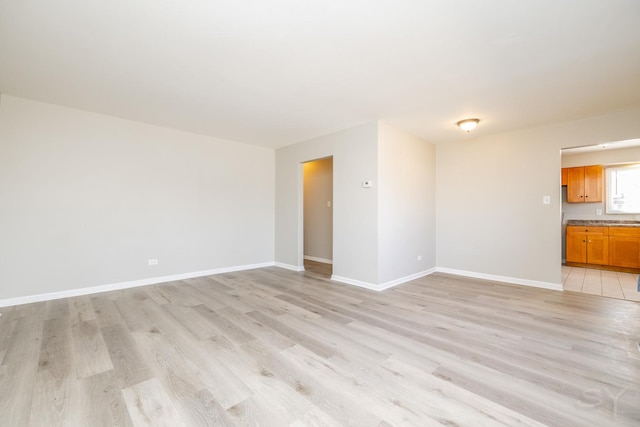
x=592, y=288
x=612, y=289
x=592, y=277
x=573, y=286
x=610, y=284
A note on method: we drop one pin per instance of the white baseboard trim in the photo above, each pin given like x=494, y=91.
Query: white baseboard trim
x=406, y=279
x=125, y=285
x=316, y=259
x=504, y=279
x=382, y=286
x=289, y=266
x=355, y=282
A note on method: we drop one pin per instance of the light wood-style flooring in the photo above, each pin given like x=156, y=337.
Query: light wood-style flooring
x=318, y=269
x=606, y=283
x=272, y=347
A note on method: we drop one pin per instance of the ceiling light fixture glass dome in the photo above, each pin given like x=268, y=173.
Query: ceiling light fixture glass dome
x=468, y=125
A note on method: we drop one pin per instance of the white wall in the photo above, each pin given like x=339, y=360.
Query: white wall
x=318, y=210
x=406, y=204
x=355, y=209
x=378, y=231
x=489, y=213
x=87, y=199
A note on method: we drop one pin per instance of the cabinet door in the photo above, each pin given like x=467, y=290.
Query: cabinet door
x=593, y=183
x=624, y=251
x=597, y=249
x=563, y=178
x=575, y=185
x=576, y=244
x=624, y=247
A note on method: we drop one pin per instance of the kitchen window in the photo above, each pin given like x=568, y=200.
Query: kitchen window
x=623, y=189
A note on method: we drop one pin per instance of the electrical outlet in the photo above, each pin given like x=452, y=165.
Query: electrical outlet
x=419, y=257
x=152, y=262
x=598, y=211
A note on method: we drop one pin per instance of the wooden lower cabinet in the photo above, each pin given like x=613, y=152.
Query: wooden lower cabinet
x=624, y=247
x=588, y=245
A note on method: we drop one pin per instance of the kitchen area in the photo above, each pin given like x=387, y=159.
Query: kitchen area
x=601, y=219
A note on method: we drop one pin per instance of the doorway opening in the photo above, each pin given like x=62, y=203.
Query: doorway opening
x=600, y=244
x=318, y=216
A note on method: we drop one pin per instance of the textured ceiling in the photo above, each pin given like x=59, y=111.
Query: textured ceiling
x=275, y=72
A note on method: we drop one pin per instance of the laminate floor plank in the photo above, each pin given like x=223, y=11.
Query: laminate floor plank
x=328, y=396
x=192, y=320
x=17, y=388
x=130, y=310
x=202, y=409
x=445, y=401
x=106, y=312
x=89, y=350
x=57, y=309
x=8, y=322
x=128, y=363
x=149, y=405
x=273, y=347
x=302, y=338
x=19, y=368
x=81, y=310
x=314, y=309
x=181, y=379
x=227, y=328
x=23, y=346
x=198, y=287
x=179, y=293
x=361, y=394
x=256, y=329
x=55, y=387
x=227, y=389
x=100, y=402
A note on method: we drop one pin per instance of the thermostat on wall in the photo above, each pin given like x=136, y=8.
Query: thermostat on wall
x=366, y=184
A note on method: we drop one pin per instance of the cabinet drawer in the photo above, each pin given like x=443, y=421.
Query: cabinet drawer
x=603, y=231
x=625, y=231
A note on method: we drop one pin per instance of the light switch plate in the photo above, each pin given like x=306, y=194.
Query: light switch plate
x=546, y=200
x=366, y=184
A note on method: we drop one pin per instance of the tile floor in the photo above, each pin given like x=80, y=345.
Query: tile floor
x=610, y=284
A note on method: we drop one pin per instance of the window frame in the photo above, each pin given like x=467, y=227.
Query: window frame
x=608, y=202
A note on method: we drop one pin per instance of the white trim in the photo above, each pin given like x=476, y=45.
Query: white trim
x=316, y=259
x=289, y=266
x=125, y=285
x=505, y=279
x=382, y=286
x=354, y=282
x=406, y=279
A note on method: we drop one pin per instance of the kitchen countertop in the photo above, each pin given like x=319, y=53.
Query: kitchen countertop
x=602, y=223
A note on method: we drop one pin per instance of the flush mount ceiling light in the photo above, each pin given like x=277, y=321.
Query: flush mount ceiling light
x=468, y=125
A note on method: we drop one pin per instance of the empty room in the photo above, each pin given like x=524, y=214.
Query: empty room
x=277, y=213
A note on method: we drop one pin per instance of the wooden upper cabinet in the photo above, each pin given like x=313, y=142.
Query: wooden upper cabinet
x=584, y=184
x=564, y=177
x=593, y=183
x=575, y=185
